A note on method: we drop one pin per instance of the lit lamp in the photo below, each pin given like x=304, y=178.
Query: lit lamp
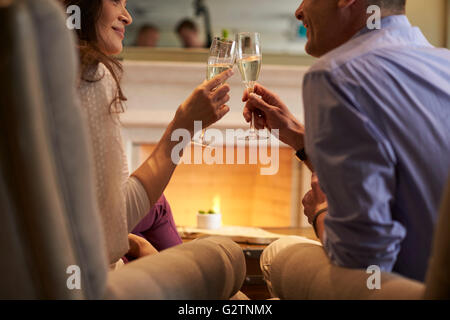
x=211, y=219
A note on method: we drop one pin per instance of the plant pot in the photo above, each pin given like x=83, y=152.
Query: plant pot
x=209, y=221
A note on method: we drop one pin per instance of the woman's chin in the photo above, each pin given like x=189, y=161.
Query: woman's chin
x=113, y=50
x=117, y=50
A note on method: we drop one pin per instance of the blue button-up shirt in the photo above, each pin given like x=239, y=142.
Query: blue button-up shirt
x=377, y=115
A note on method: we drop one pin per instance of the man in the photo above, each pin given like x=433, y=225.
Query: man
x=188, y=33
x=148, y=36
x=377, y=115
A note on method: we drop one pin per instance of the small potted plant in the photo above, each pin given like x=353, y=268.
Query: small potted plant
x=209, y=220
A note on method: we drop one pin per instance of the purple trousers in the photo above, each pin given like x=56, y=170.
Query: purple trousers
x=158, y=226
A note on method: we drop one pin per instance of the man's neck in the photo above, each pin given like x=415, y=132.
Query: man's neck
x=355, y=26
x=359, y=25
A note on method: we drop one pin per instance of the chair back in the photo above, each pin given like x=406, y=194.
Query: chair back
x=437, y=283
x=52, y=245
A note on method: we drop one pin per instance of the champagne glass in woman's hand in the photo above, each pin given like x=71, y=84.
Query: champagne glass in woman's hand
x=221, y=58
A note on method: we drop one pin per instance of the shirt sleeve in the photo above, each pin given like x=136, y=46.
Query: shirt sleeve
x=355, y=165
x=137, y=203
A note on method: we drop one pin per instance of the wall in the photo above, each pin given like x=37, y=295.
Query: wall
x=448, y=23
x=432, y=17
x=273, y=19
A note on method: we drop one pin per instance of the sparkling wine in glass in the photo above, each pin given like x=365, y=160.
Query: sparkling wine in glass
x=249, y=60
x=222, y=55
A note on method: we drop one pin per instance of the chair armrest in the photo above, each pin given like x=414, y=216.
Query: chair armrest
x=207, y=268
x=303, y=271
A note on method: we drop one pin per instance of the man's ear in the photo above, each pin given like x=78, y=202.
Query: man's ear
x=345, y=3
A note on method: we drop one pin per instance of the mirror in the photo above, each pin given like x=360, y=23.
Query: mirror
x=280, y=31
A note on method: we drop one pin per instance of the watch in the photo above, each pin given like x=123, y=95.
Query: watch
x=301, y=155
x=315, y=220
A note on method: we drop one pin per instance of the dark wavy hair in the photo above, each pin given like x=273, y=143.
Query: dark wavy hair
x=89, y=52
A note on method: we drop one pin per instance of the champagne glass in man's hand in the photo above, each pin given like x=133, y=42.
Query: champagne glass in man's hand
x=249, y=59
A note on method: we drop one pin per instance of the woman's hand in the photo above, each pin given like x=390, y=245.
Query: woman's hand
x=139, y=247
x=205, y=104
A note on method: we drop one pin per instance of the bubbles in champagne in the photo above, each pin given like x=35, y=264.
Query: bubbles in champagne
x=215, y=69
x=250, y=68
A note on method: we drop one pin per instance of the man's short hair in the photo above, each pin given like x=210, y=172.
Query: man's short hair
x=186, y=24
x=395, y=5
x=148, y=27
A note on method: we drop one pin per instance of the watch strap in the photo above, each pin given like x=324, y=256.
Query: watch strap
x=318, y=213
x=301, y=155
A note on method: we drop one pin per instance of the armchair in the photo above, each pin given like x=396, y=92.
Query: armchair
x=303, y=271
x=49, y=219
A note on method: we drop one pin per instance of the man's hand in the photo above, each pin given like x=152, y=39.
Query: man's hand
x=314, y=200
x=139, y=247
x=274, y=115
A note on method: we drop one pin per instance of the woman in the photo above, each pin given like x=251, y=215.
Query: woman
x=125, y=200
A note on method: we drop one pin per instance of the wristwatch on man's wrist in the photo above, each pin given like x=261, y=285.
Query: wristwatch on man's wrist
x=314, y=222
x=301, y=155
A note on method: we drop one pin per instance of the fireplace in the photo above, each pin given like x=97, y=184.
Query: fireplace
x=247, y=197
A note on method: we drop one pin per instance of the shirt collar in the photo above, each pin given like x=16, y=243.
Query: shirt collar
x=395, y=21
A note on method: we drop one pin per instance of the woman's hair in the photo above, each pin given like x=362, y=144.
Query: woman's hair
x=89, y=52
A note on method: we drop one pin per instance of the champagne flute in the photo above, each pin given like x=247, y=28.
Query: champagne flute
x=249, y=60
x=222, y=55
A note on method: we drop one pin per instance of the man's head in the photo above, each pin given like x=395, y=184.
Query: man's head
x=188, y=33
x=331, y=23
x=148, y=36
x=389, y=7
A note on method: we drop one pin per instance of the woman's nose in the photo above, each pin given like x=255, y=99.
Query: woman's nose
x=126, y=17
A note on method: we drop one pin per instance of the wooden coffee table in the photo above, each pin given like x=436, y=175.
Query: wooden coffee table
x=254, y=285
